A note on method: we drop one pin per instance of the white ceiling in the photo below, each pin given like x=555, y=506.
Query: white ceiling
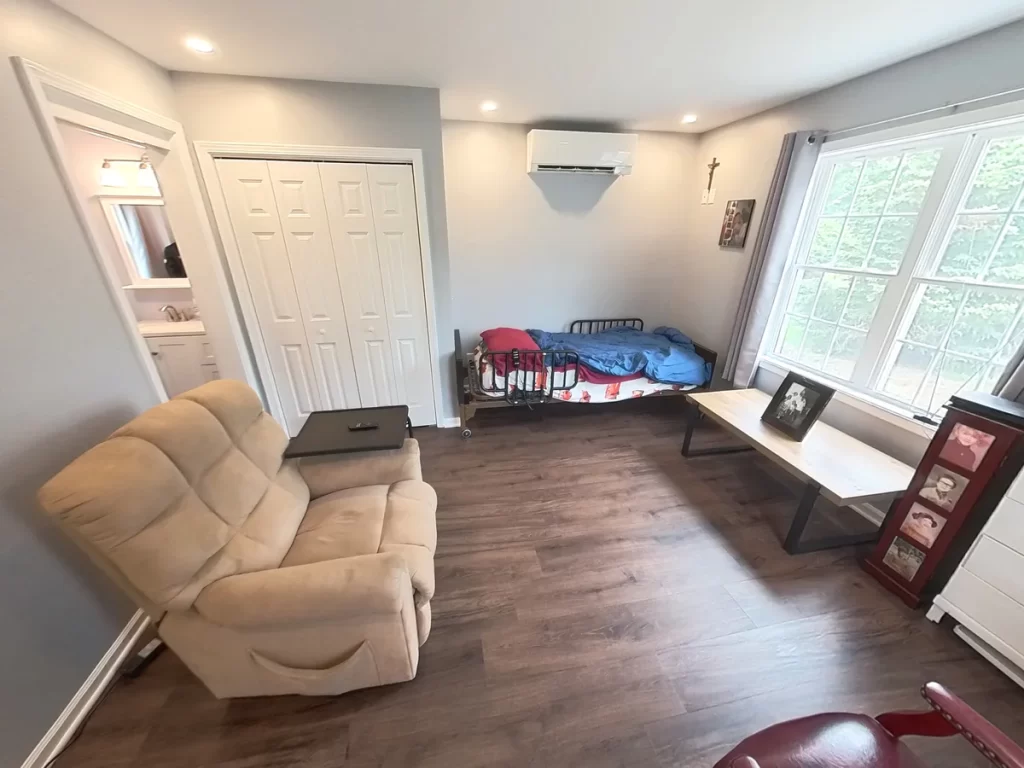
x=639, y=63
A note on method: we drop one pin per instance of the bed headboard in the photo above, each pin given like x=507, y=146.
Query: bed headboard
x=603, y=324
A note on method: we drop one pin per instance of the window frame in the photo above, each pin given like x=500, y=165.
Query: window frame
x=963, y=142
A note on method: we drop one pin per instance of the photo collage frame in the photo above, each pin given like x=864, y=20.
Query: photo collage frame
x=938, y=498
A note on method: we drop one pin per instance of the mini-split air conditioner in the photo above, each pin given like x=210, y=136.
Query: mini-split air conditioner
x=609, y=154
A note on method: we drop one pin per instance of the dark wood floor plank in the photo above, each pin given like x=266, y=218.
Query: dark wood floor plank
x=612, y=632
x=776, y=599
x=600, y=602
x=855, y=647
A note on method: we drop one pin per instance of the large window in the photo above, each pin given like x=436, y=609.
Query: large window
x=906, y=280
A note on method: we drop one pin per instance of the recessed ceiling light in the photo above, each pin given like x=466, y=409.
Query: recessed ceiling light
x=488, y=106
x=689, y=118
x=199, y=45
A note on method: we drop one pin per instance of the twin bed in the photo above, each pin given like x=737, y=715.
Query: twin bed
x=598, y=361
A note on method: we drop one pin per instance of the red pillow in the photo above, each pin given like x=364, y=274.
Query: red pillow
x=506, y=339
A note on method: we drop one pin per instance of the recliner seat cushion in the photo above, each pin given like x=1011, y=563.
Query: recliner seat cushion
x=341, y=524
x=374, y=518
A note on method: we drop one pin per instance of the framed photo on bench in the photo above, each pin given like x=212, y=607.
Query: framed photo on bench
x=797, y=404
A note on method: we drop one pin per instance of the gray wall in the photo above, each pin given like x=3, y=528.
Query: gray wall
x=539, y=251
x=262, y=110
x=71, y=377
x=748, y=149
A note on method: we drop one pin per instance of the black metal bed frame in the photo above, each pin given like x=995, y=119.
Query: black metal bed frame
x=526, y=374
x=527, y=381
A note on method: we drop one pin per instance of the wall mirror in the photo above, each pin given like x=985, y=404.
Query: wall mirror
x=144, y=239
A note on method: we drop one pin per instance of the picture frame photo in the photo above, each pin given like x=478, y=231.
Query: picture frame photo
x=943, y=487
x=796, y=405
x=966, y=446
x=736, y=223
x=922, y=525
x=904, y=559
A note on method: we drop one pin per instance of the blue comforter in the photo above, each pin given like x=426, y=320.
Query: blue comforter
x=667, y=355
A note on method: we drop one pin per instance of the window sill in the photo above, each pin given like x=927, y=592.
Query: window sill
x=879, y=409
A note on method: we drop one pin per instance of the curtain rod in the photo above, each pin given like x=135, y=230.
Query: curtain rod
x=951, y=108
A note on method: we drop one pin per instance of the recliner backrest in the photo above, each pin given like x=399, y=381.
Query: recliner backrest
x=187, y=493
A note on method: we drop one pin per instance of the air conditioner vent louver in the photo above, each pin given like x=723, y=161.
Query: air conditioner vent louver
x=604, y=171
x=605, y=154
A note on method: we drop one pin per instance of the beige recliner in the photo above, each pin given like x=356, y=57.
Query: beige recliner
x=264, y=576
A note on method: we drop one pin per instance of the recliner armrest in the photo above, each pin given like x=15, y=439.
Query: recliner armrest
x=328, y=474
x=312, y=593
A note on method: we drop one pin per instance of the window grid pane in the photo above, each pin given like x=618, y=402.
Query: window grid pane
x=986, y=242
x=827, y=318
x=985, y=327
x=959, y=322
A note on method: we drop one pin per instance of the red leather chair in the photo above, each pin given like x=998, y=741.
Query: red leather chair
x=844, y=740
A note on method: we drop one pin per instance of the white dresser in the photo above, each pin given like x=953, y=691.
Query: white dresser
x=986, y=592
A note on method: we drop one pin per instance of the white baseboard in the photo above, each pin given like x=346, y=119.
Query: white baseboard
x=450, y=423
x=88, y=695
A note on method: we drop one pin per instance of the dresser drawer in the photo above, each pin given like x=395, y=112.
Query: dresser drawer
x=998, y=565
x=1007, y=524
x=1017, y=488
x=1001, y=618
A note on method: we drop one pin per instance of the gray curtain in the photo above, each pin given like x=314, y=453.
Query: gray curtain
x=1011, y=383
x=771, y=248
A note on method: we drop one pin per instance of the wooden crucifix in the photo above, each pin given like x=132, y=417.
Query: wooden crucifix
x=711, y=171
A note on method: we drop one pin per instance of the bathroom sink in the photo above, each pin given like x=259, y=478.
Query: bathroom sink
x=150, y=328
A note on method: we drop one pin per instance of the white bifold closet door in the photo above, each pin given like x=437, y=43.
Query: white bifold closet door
x=331, y=257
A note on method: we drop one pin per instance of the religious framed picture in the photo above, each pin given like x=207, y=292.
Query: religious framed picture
x=904, y=558
x=923, y=525
x=797, y=404
x=736, y=223
x=966, y=446
x=943, y=487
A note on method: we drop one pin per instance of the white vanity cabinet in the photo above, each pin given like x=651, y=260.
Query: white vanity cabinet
x=986, y=592
x=182, y=354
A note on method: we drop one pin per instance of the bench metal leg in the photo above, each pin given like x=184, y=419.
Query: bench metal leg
x=803, y=514
x=693, y=415
x=793, y=544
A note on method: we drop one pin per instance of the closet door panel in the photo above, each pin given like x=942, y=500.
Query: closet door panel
x=393, y=200
x=347, y=194
x=300, y=206
x=257, y=228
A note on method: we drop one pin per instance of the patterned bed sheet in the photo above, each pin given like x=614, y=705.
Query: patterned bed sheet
x=582, y=392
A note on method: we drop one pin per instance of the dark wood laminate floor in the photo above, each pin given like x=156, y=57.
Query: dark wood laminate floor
x=600, y=602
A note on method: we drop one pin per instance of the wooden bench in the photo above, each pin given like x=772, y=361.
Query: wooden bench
x=831, y=463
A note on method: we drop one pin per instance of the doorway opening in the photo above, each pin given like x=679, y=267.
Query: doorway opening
x=118, y=189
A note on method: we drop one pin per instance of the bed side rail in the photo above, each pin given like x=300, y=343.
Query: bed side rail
x=530, y=375
x=603, y=324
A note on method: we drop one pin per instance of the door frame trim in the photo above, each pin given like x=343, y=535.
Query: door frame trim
x=53, y=96
x=208, y=152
